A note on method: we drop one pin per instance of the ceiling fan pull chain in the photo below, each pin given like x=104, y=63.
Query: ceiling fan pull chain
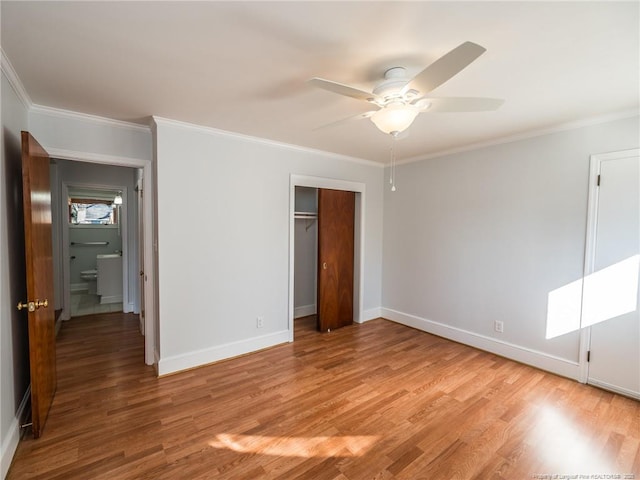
x=392, y=169
x=391, y=165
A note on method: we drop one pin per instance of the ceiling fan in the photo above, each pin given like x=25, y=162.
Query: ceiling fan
x=400, y=99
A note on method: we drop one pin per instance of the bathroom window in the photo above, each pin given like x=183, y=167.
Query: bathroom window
x=88, y=211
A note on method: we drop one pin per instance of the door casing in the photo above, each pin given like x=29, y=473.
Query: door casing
x=590, y=244
x=358, y=257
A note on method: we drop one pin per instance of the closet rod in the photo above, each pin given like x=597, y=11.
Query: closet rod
x=305, y=215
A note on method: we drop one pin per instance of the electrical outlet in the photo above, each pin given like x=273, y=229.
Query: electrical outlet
x=498, y=326
x=259, y=322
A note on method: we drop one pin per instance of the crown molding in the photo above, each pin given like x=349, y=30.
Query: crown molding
x=90, y=157
x=561, y=127
x=14, y=80
x=215, y=131
x=85, y=117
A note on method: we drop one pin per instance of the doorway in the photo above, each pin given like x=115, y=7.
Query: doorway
x=610, y=306
x=139, y=169
x=111, y=248
x=309, y=182
x=96, y=240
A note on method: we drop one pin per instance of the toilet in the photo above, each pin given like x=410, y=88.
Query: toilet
x=91, y=278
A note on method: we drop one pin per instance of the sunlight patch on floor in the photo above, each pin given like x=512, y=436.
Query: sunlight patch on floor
x=562, y=446
x=347, y=446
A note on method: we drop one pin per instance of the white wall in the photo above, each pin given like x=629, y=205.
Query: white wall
x=14, y=348
x=223, y=239
x=485, y=235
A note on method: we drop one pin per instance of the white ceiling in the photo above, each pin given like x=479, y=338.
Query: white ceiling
x=242, y=66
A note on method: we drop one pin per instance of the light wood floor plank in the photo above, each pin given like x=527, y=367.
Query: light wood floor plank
x=373, y=401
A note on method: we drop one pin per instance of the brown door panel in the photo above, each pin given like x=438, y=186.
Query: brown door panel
x=39, y=269
x=336, y=212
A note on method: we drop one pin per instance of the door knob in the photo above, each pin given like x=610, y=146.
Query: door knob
x=33, y=306
x=324, y=266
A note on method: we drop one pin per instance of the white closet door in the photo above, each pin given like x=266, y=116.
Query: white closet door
x=611, y=292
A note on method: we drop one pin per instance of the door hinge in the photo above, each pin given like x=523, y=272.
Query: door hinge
x=588, y=355
x=598, y=184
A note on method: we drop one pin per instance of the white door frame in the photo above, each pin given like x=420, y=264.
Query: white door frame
x=595, y=164
x=358, y=267
x=150, y=321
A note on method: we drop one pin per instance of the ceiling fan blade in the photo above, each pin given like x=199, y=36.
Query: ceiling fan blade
x=360, y=116
x=342, y=89
x=464, y=104
x=445, y=67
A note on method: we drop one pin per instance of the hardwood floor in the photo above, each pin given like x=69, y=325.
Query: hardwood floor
x=372, y=401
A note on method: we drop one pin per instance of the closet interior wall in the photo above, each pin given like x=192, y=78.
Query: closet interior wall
x=306, y=251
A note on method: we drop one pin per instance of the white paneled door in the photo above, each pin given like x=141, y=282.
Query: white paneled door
x=610, y=300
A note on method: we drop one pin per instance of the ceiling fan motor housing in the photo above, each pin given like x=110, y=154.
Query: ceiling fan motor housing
x=391, y=89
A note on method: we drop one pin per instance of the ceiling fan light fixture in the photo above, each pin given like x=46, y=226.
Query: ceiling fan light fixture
x=394, y=118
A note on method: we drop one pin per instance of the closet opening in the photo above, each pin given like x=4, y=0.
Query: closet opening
x=306, y=291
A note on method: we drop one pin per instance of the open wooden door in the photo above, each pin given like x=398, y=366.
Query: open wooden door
x=39, y=266
x=336, y=212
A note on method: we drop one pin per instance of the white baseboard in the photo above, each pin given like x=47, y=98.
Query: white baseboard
x=110, y=299
x=304, y=311
x=185, y=361
x=614, y=388
x=535, y=358
x=78, y=287
x=371, y=314
x=10, y=442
